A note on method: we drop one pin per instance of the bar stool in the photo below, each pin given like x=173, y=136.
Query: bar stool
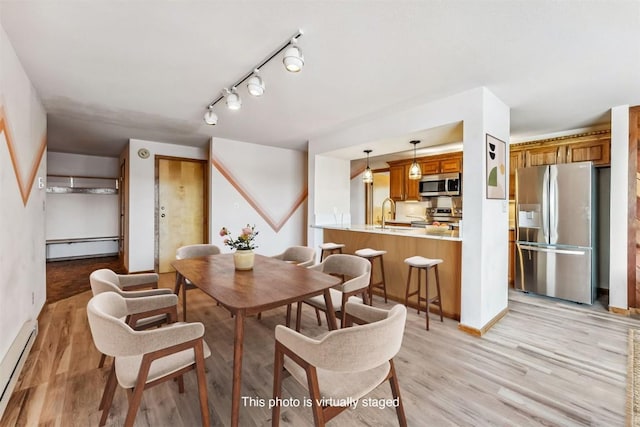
x=372, y=255
x=426, y=264
x=330, y=248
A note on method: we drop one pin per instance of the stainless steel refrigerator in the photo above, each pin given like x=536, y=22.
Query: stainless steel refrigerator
x=555, y=226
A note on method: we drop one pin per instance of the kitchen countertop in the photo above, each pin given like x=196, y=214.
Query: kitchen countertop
x=395, y=231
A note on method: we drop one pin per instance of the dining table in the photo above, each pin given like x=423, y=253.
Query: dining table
x=270, y=284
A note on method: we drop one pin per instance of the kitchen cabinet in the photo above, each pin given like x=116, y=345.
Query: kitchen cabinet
x=593, y=146
x=401, y=188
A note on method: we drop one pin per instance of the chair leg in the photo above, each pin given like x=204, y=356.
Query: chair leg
x=318, y=316
x=384, y=282
x=298, y=316
x=439, y=294
x=135, y=395
x=426, y=285
x=395, y=391
x=180, y=380
x=406, y=292
x=277, y=385
x=202, y=384
x=314, y=392
x=107, y=396
x=259, y=316
x=103, y=358
x=288, y=318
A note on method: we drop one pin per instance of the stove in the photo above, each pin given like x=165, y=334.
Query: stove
x=442, y=215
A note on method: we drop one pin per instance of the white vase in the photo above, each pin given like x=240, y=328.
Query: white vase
x=243, y=259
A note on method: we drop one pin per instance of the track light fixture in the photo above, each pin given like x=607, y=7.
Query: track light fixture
x=293, y=61
x=367, y=177
x=233, y=99
x=415, y=172
x=210, y=117
x=255, y=84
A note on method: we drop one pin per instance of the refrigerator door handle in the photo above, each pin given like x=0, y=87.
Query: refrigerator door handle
x=545, y=206
x=553, y=251
x=553, y=205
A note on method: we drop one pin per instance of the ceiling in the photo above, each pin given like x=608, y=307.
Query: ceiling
x=107, y=71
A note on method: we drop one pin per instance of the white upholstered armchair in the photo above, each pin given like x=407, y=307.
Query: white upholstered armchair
x=186, y=252
x=355, y=271
x=303, y=256
x=145, y=358
x=345, y=364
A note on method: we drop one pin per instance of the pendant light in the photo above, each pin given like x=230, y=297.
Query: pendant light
x=414, y=171
x=367, y=177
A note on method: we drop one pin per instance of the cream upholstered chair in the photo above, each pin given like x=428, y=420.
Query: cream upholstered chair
x=302, y=256
x=105, y=280
x=354, y=269
x=344, y=365
x=127, y=285
x=145, y=358
x=191, y=251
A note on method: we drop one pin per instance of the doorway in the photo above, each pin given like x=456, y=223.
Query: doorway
x=181, y=207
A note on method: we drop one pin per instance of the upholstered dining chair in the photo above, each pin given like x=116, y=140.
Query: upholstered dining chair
x=127, y=285
x=191, y=251
x=302, y=256
x=105, y=280
x=344, y=365
x=354, y=269
x=145, y=358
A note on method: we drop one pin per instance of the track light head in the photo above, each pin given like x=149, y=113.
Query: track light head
x=255, y=84
x=233, y=99
x=293, y=59
x=210, y=117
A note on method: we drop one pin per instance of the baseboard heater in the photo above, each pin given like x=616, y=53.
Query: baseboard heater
x=14, y=360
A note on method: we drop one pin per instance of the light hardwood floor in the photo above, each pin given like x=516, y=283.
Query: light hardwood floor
x=545, y=363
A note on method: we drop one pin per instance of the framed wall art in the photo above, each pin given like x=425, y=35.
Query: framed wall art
x=496, y=168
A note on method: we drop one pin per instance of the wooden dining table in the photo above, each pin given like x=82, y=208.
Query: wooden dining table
x=271, y=283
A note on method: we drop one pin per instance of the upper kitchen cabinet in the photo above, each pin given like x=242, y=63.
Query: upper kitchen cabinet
x=401, y=188
x=592, y=146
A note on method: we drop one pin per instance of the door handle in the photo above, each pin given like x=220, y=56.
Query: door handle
x=552, y=251
x=162, y=215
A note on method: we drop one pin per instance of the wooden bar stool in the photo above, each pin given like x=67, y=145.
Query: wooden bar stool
x=330, y=248
x=426, y=264
x=372, y=255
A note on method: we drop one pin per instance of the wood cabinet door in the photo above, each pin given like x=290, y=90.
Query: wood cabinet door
x=412, y=186
x=396, y=182
x=454, y=164
x=512, y=256
x=540, y=156
x=430, y=167
x=599, y=152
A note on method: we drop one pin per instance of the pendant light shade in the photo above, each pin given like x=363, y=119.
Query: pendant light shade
x=367, y=177
x=255, y=84
x=414, y=171
x=293, y=59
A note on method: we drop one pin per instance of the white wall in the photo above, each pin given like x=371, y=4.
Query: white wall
x=619, y=197
x=141, y=230
x=484, y=289
x=22, y=220
x=261, y=185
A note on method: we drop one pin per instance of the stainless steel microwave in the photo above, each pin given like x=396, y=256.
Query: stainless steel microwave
x=446, y=184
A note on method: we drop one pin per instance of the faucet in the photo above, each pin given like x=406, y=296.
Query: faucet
x=393, y=208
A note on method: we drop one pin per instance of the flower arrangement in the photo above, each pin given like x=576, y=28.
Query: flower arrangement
x=245, y=241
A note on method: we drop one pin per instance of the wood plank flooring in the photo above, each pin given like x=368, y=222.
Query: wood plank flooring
x=71, y=277
x=546, y=363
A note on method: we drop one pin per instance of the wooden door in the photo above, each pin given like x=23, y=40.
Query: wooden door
x=430, y=167
x=180, y=208
x=412, y=186
x=516, y=160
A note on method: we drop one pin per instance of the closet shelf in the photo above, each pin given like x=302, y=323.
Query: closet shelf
x=61, y=184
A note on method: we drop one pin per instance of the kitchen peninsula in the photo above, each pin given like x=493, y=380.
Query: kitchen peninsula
x=401, y=243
